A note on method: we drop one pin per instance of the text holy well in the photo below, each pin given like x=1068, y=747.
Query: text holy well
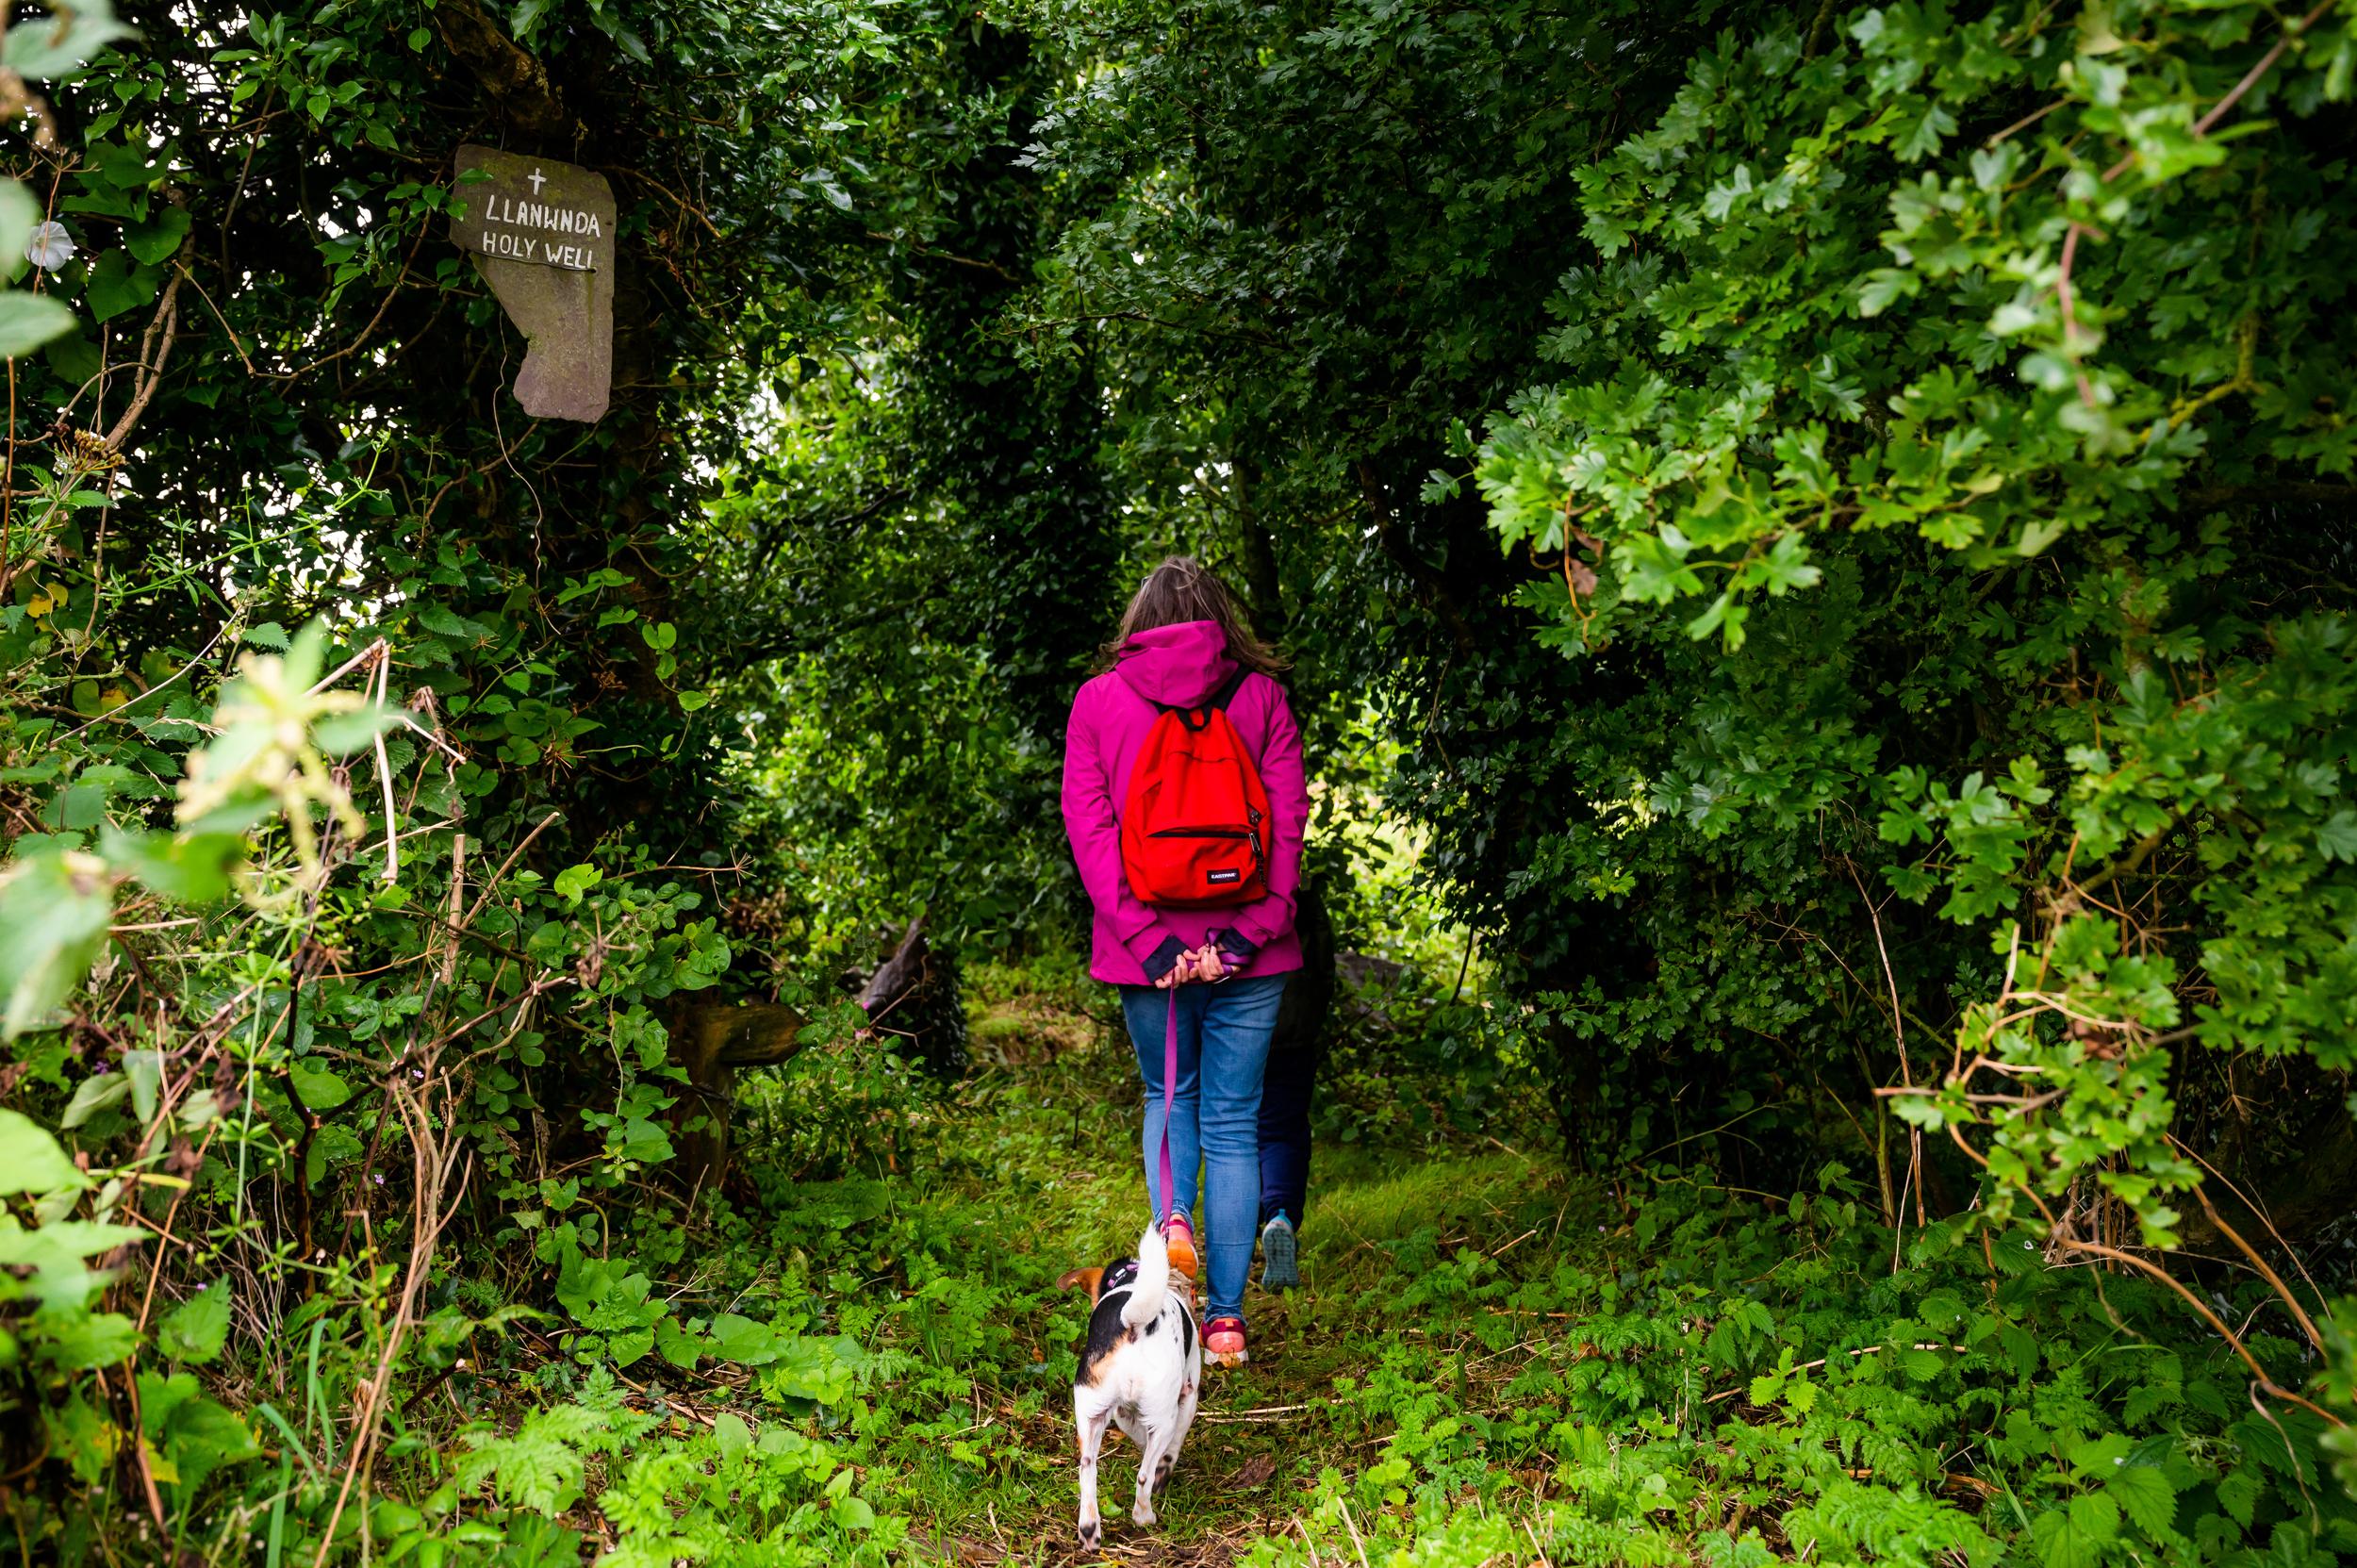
x=548, y=218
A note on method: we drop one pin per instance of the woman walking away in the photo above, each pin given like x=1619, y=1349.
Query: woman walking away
x=1184, y=799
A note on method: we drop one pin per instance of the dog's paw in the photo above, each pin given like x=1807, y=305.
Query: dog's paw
x=1143, y=1513
x=1092, y=1531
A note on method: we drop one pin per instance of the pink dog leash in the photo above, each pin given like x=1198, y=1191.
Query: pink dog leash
x=1170, y=1093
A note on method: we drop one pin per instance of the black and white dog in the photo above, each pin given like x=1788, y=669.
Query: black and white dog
x=1143, y=1367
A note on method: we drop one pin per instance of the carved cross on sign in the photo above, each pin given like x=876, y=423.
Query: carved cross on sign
x=542, y=236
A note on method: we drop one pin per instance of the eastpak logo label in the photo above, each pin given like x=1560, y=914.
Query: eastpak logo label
x=1223, y=876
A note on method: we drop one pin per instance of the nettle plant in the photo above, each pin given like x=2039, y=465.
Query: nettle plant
x=1979, y=379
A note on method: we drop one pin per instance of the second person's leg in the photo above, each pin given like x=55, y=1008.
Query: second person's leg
x=1237, y=1017
x=1284, y=1132
x=1292, y=1069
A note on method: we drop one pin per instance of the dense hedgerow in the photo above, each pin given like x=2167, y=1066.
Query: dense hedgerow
x=1817, y=548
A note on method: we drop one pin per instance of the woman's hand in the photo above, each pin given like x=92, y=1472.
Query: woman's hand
x=1202, y=964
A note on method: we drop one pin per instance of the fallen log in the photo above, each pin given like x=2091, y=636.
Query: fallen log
x=710, y=1041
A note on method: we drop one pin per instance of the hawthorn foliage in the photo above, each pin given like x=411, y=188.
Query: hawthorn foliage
x=2014, y=346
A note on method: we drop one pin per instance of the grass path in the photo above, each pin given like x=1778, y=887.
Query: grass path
x=1489, y=1363
x=1048, y=1130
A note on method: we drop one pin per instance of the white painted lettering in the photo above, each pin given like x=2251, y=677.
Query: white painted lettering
x=514, y=226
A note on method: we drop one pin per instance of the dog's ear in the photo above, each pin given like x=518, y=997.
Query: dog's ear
x=1082, y=1278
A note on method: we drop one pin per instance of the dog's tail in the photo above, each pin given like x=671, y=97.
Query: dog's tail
x=1152, y=1285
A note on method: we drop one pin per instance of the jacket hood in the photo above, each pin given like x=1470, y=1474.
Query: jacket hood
x=1177, y=666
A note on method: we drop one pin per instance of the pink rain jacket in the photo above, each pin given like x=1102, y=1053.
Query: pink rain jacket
x=1178, y=665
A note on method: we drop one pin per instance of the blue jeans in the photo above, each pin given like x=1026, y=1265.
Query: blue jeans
x=1223, y=1049
x=1285, y=1089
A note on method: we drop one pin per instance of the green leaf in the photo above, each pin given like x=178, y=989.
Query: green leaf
x=52, y=49
x=340, y=734
x=117, y=284
x=318, y=1088
x=676, y=1346
x=202, y=1436
x=85, y=1440
x=2145, y=1496
x=194, y=868
x=1923, y=138
x=1885, y=287
x=1786, y=566
x=151, y=243
x=28, y=321
x=441, y=620
x=54, y=910
x=2096, y=1515
x=2337, y=838
x=1920, y=1365
x=740, y=1339
x=53, y=1252
x=80, y=1342
x=574, y=880
x=268, y=634
x=19, y=211
x=144, y=1071
x=813, y=1368
x=72, y=355
x=333, y=1144
x=30, y=1160
x=196, y=1331
x=2238, y=1494
x=539, y=1468
x=1653, y=569
x=93, y=1095
x=2075, y=1537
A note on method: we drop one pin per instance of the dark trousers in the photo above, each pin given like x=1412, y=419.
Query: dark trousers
x=1293, y=1072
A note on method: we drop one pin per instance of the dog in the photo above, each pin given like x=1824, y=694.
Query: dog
x=1143, y=1367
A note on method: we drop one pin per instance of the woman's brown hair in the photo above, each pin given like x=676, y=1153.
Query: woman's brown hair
x=1181, y=590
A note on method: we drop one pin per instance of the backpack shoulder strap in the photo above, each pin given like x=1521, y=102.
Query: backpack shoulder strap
x=1217, y=702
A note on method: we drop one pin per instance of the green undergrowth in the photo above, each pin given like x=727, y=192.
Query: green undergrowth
x=1491, y=1360
x=859, y=1355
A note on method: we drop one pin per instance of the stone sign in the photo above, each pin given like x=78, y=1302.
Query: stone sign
x=542, y=236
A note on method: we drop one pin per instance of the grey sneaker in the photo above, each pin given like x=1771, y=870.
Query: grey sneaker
x=1281, y=1267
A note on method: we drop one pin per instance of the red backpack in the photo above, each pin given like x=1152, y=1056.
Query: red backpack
x=1195, y=832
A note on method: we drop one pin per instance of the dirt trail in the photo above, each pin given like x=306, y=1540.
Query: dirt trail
x=1266, y=1430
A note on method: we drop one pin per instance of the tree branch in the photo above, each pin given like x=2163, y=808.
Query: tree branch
x=518, y=82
